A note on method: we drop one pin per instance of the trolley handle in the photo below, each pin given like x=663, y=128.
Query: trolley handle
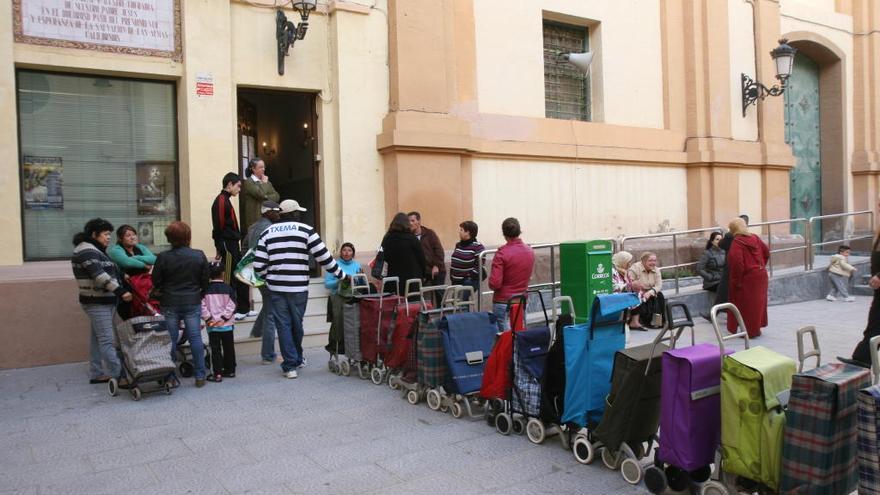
x=556, y=312
x=680, y=324
x=874, y=346
x=802, y=355
x=387, y=281
x=465, y=298
x=409, y=292
x=360, y=281
x=430, y=289
x=713, y=315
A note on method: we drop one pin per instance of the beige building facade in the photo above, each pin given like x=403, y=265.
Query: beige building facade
x=439, y=106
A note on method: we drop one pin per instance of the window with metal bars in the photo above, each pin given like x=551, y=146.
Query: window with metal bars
x=566, y=89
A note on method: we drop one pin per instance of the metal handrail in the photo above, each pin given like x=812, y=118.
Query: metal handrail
x=674, y=234
x=844, y=240
x=806, y=247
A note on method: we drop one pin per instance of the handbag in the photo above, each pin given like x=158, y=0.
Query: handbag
x=377, y=264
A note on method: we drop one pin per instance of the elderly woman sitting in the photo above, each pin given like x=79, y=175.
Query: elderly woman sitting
x=648, y=283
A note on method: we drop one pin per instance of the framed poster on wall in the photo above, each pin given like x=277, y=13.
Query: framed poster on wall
x=156, y=188
x=43, y=182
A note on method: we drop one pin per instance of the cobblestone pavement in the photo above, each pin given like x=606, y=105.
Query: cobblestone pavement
x=261, y=433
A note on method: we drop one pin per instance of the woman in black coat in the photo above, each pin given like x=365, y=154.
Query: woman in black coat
x=402, y=252
x=861, y=355
x=712, y=263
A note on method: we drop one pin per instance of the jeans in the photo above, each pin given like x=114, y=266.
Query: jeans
x=265, y=326
x=101, y=341
x=288, y=309
x=474, y=284
x=839, y=284
x=500, y=310
x=190, y=315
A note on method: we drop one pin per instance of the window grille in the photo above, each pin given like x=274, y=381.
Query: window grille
x=566, y=89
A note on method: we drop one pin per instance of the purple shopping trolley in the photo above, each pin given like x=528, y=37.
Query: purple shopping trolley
x=690, y=414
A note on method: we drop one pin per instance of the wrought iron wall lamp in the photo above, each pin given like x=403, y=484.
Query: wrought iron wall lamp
x=752, y=91
x=287, y=32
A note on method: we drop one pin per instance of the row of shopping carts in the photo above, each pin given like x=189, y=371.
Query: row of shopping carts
x=679, y=415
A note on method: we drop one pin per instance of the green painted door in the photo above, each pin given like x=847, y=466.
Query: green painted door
x=802, y=134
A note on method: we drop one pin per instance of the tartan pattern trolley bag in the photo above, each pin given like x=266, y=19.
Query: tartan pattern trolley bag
x=432, y=370
x=529, y=356
x=869, y=441
x=819, y=443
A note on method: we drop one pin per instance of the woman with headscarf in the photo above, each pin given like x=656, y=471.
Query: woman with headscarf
x=747, y=261
x=621, y=282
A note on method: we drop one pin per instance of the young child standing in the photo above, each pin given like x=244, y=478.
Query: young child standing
x=218, y=311
x=840, y=272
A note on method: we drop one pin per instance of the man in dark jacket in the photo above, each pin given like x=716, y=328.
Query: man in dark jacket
x=435, y=266
x=227, y=240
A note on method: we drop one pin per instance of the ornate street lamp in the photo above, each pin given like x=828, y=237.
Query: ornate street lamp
x=287, y=32
x=783, y=57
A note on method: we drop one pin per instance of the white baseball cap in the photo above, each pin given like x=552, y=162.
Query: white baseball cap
x=290, y=205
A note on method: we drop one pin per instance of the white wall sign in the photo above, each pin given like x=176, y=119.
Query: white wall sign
x=204, y=84
x=143, y=27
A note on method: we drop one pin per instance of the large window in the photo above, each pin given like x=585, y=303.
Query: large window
x=90, y=147
x=566, y=89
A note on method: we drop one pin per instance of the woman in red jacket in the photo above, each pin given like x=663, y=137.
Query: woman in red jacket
x=747, y=261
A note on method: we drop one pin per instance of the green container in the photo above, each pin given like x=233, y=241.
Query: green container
x=585, y=272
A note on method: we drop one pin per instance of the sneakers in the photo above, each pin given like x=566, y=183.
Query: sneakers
x=252, y=313
x=215, y=378
x=267, y=361
x=831, y=298
x=849, y=299
x=240, y=316
x=303, y=364
x=289, y=374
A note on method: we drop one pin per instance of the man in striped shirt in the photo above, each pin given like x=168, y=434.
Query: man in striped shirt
x=282, y=259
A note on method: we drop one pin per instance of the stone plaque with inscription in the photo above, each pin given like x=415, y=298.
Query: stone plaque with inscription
x=141, y=27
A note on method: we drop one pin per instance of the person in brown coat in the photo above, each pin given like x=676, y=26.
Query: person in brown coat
x=435, y=267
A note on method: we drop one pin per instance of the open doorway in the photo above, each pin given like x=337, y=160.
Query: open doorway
x=278, y=126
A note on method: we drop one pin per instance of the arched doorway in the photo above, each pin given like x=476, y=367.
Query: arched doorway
x=803, y=134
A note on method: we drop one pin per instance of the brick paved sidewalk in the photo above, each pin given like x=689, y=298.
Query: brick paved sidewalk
x=260, y=433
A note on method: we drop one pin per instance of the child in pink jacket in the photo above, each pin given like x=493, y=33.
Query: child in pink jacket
x=218, y=311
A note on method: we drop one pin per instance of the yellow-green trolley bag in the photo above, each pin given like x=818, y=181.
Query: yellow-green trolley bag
x=752, y=419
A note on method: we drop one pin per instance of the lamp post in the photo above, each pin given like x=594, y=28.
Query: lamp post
x=752, y=91
x=287, y=32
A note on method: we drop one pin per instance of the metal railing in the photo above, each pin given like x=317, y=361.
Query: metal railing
x=674, y=234
x=806, y=247
x=844, y=240
x=553, y=284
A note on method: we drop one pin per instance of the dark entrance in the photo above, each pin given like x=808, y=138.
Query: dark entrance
x=279, y=127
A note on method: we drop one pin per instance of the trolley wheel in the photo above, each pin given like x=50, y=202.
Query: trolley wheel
x=677, y=478
x=113, y=387
x=655, y=480
x=503, y=424
x=345, y=368
x=701, y=475
x=433, y=399
x=186, y=369
x=135, y=393
x=412, y=397
x=363, y=371
x=168, y=388
x=456, y=410
x=444, y=408
x=583, y=450
x=394, y=382
x=535, y=430
x=714, y=488
x=519, y=425
x=631, y=471
x=376, y=376
x=490, y=419
x=611, y=459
